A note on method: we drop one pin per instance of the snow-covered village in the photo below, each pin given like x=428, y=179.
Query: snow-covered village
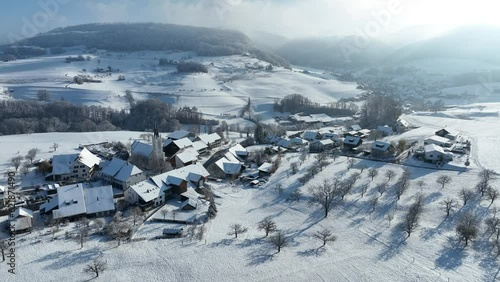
x=160, y=150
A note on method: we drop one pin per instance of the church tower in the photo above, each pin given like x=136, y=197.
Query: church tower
x=158, y=154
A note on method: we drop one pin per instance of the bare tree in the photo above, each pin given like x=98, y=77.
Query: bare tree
x=200, y=232
x=95, y=267
x=16, y=161
x=55, y=146
x=303, y=156
x=235, y=229
x=390, y=174
x=373, y=203
x=4, y=246
x=493, y=226
x=363, y=188
x=118, y=229
x=443, y=180
x=279, y=188
x=294, y=167
x=138, y=214
x=466, y=195
x=82, y=234
x=54, y=230
x=164, y=212
x=381, y=188
x=421, y=184
x=362, y=167
x=32, y=154
x=487, y=175
x=98, y=225
x=482, y=187
x=468, y=228
x=191, y=231
x=325, y=236
x=267, y=225
x=413, y=216
x=43, y=95
x=449, y=205
x=324, y=194
x=402, y=185
x=350, y=163
x=492, y=194
x=279, y=240
x=372, y=172
x=295, y=196
x=25, y=168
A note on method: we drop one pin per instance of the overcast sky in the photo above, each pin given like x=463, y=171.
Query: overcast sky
x=290, y=18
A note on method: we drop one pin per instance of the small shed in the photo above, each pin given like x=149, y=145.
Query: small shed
x=351, y=142
x=173, y=232
x=265, y=169
x=21, y=220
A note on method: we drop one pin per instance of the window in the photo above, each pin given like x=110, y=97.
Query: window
x=82, y=166
x=75, y=171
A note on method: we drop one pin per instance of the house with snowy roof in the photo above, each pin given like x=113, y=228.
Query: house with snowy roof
x=73, y=166
x=381, y=149
x=386, y=130
x=180, y=134
x=21, y=220
x=321, y=145
x=149, y=154
x=200, y=147
x=448, y=133
x=434, y=153
x=402, y=125
x=79, y=200
x=211, y=140
x=185, y=157
x=121, y=174
x=157, y=189
x=311, y=135
x=239, y=151
x=352, y=142
x=171, y=147
x=438, y=140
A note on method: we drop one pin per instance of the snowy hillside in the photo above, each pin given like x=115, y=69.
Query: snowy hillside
x=370, y=245
x=224, y=90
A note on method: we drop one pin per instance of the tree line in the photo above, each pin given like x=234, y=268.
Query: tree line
x=20, y=117
x=296, y=103
x=130, y=37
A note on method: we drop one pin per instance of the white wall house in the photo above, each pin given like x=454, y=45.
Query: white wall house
x=73, y=166
x=122, y=174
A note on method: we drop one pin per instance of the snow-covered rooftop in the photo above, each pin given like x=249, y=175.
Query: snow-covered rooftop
x=71, y=201
x=99, y=199
x=199, y=145
x=179, y=134
x=143, y=149
x=188, y=155
x=22, y=212
x=380, y=146
x=266, y=167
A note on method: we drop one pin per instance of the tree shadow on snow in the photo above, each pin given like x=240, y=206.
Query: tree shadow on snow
x=452, y=255
x=397, y=240
x=261, y=255
x=312, y=252
x=79, y=257
x=223, y=243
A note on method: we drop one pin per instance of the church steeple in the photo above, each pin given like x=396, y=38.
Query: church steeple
x=155, y=131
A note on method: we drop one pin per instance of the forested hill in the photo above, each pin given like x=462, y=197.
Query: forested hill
x=152, y=36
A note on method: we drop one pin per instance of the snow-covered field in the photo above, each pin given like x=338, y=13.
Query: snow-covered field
x=145, y=78
x=368, y=248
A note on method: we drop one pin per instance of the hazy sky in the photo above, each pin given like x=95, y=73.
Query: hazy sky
x=291, y=18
